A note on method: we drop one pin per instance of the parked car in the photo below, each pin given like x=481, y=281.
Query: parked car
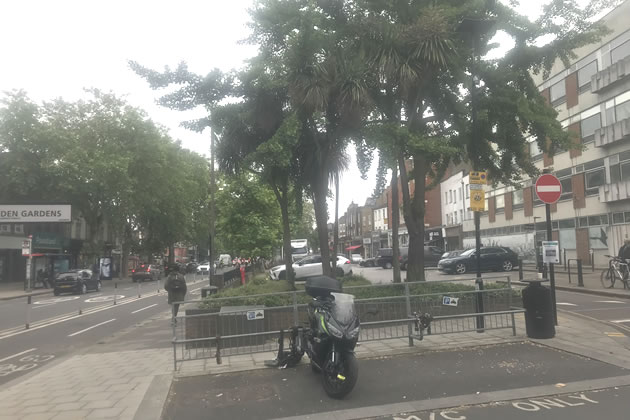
x=144, y=272
x=452, y=254
x=368, y=262
x=356, y=258
x=191, y=267
x=432, y=255
x=311, y=266
x=203, y=268
x=76, y=282
x=385, y=257
x=492, y=259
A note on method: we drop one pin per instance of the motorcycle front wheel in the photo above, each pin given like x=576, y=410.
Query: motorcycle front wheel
x=339, y=382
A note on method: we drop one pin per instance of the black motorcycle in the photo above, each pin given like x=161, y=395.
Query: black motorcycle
x=330, y=338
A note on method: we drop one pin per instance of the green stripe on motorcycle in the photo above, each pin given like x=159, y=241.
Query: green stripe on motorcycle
x=321, y=318
x=341, y=377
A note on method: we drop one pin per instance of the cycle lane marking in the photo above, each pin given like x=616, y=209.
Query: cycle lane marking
x=92, y=327
x=17, y=354
x=142, y=309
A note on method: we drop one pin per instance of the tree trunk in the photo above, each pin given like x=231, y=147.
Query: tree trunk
x=333, y=263
x=395, y=224
x=321, y=218
x=414, y=215
x=283, y=201
x=171, y=254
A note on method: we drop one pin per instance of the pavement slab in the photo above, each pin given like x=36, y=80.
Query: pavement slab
x=273, y=393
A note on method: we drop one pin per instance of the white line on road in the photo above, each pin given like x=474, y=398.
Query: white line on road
x=93, y=326
x=127, y=288
x=621, y=321
x=610, y=301
x=566, y=304
x=150, y=306
x=17, y=354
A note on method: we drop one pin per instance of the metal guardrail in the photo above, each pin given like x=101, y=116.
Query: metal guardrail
x=213, y=333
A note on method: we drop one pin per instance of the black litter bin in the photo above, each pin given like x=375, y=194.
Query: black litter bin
x=539, y=320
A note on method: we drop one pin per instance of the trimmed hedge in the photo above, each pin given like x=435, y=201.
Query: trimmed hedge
x=264, y=285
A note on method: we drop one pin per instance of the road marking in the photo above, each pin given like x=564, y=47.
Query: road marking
x=566, y=304
x=610, y=301
x=615, y=334
x=56, y=300
x=102, y=299
x=93, y=326
x=150, y=306
x=621, y=321
x=98, y=294
x=12, y=332
x=17, y=354
x=127, y=288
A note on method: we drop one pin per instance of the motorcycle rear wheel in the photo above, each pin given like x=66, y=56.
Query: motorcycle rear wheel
x=335, y=387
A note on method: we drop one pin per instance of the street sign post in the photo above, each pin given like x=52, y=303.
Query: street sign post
x=549, y=189
x=477, y=180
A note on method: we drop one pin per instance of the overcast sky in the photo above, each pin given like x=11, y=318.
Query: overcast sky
x=56, y=48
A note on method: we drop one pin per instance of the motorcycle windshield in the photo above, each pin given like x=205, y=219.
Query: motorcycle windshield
x=342, y=309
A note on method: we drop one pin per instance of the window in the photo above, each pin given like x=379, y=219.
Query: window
x=459, y=190
x=620, y=172
x=620, y=52
x=622, y=111
x=450, y=196
x=461, y=215
x=594, y=179
x=583, y=221
x=18, y=228
x=500, y=202
x=445, y=197
x=567, y=224
x=517, y=199
x=558, y=93
x=455, y=217
x=534, y=151
x=627, y=215
x=467, y=190
x=589, y=125
x=5, y=228
x=454, y=196
x=567, y=189
x=584, y=76
x=598, y=220
x=617, y=218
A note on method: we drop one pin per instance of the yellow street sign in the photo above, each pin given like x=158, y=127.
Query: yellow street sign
x=478, y=177
x=477, y=200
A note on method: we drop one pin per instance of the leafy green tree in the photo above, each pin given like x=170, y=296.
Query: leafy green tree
x=421, y=61
x=248, y=218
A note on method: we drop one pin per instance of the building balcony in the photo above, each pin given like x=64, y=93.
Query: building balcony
x=612, y=133
x=610, y=75
x=618, y=191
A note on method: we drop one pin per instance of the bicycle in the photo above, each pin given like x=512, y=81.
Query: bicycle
x=617, y=271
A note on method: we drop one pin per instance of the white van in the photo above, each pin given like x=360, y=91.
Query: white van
x=224, y=260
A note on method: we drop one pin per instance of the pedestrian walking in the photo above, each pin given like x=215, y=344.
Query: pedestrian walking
x=42, y=278
x=176, y=287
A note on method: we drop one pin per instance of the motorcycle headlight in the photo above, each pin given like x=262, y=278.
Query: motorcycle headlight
x=354, y=332
x=334, y=331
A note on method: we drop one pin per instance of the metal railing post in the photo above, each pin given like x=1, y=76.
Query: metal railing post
x=509, y=280
x=139, y=289
x=579, y=273
x=408, y=305
x=115, y=291
x=564, y=252
x=295, y=309
x=29, y=299
x=592, y=260
x=174, y=339
x=520, y=269
x=569, y=270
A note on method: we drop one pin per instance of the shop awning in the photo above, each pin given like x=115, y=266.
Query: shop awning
x=350, y=248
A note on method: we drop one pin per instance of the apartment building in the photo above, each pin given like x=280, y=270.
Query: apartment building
x=592, y=217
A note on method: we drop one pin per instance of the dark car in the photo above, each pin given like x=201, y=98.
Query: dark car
x=191, y=267
x=368, y=262
x=76, y=281
x=492, y=258
x=385, y=256
x=432, y=255
x=146, y=272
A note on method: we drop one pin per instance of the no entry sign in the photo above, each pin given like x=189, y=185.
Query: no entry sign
x=548, y=188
